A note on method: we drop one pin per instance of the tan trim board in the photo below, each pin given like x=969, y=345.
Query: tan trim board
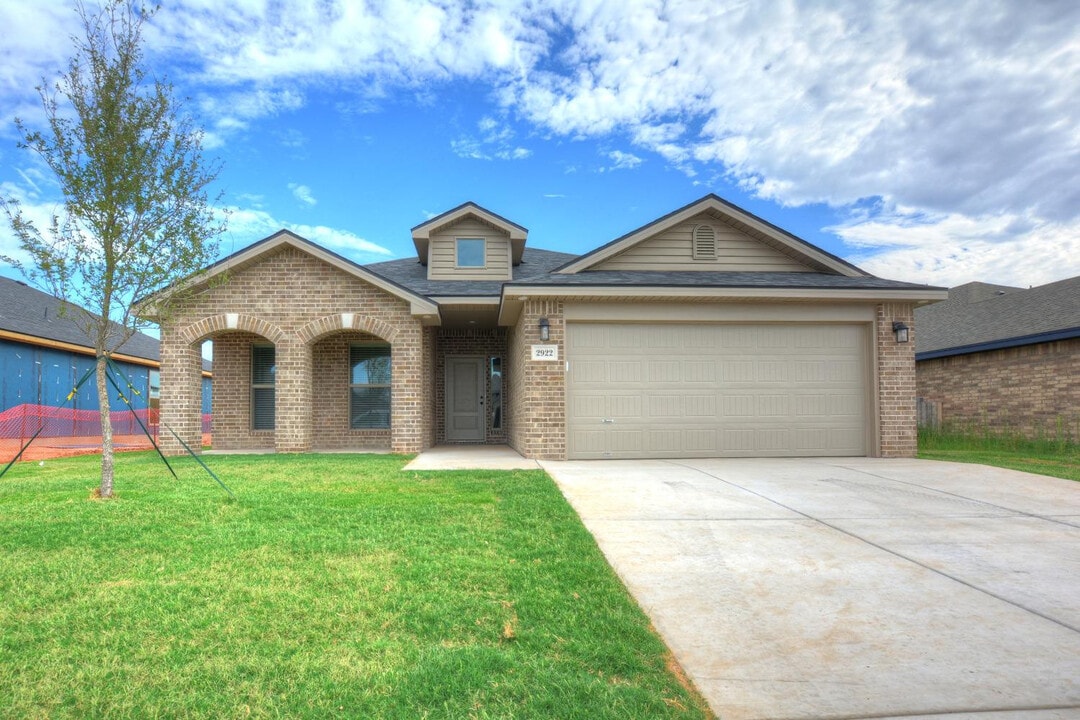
x=718, y=312
x=515, y=295
x=880, y=294
x=466, y=299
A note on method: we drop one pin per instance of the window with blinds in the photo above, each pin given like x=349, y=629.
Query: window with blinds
x=369, y=387
x=263, y=371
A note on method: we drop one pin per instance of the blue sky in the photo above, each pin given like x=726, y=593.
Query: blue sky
x=928, y=142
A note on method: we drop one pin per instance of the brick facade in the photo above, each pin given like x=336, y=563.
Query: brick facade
x=330, y=420
x=897, y=434
x=538, y=389
x=299, y=304
x=1031, y=390
x=486, y=343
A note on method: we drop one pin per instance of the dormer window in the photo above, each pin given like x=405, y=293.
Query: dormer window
x=471, y=253
x=704, y=241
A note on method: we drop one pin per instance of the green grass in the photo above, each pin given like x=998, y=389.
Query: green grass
x=1045, y=457
x=334, y=586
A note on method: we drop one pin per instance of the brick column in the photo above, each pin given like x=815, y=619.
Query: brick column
x=409, y=394
x=181, y=393
x=896, y=382
x=538, y=393
x=293, y=393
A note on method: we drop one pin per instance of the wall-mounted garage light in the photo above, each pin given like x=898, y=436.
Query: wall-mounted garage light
x=901, y=331
x=545, y=330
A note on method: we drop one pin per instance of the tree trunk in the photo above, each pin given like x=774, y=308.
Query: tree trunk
x=106, y=489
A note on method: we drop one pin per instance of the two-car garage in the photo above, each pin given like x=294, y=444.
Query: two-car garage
x=729, y=389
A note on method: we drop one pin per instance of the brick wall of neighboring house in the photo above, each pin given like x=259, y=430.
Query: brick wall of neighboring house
x=1032, y=390
x=896, y=382
x=292, y=300
x=487, y=343
x=537, y=388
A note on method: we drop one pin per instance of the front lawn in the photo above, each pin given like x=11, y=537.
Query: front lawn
x=334, y=586
x=1044, y=457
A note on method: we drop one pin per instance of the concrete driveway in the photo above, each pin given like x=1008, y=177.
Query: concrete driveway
x=850, y=587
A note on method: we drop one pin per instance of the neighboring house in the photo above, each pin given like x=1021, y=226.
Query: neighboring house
x=43, y=354
x=708, y=332
x=1001, y=358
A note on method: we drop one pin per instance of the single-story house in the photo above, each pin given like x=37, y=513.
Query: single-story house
x=707, y=332
x=1003, y=359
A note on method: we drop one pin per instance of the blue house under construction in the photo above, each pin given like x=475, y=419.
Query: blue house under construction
x=43, y=354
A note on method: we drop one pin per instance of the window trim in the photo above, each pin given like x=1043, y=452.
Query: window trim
x=483, y=253
x=389, y=385
x=263, y=386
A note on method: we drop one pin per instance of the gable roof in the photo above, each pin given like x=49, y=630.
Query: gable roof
x=29, y=315
x=762, y=230
x=421, y=234
x=419, y=305
x=979, y=317
x=535, y=264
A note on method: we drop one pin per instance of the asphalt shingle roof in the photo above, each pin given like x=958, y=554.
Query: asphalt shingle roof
x=28, y=311
x=537, y=266
x=412, y=275
x=979, y=313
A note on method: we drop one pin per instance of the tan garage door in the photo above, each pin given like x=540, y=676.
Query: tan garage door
x=655, y=391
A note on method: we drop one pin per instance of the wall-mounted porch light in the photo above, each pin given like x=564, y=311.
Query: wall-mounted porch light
x=545, y=330
x=901, y=331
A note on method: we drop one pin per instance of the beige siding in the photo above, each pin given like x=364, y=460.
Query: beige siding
x=442, y=258
x=672, y=250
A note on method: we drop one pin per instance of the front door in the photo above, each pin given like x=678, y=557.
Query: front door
x=465, y=389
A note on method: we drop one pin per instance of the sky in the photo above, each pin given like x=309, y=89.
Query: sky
x=931, y=142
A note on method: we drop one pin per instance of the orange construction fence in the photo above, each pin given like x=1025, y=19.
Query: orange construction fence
x=66, y=432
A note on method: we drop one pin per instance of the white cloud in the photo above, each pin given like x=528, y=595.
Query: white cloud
x=623, y=160
x=246, y=225
x=966, y=112
x=303, y=194
x=495, y=142
x=952, y=249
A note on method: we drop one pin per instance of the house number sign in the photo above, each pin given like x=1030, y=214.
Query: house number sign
x=545, y=352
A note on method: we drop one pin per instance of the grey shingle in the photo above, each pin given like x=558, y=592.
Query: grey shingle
x=412, y=275
x=537, y=266
x=979, y=313
x=28, y=311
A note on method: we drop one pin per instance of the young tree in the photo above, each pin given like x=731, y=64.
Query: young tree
x=135, y=213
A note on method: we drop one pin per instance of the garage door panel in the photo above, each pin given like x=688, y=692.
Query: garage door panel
x=624, y=406
x=716, y=390
x=701, y=406
x=664, y=442
x=587, y=372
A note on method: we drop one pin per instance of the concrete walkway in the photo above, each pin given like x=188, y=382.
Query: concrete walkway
x=471, y=457
x=850, y=588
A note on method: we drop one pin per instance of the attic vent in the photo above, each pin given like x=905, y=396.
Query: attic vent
x=704, y=242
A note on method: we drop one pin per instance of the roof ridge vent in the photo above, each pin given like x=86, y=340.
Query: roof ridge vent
x=704, y=242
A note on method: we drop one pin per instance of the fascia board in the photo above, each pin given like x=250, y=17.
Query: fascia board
x=918, y=295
